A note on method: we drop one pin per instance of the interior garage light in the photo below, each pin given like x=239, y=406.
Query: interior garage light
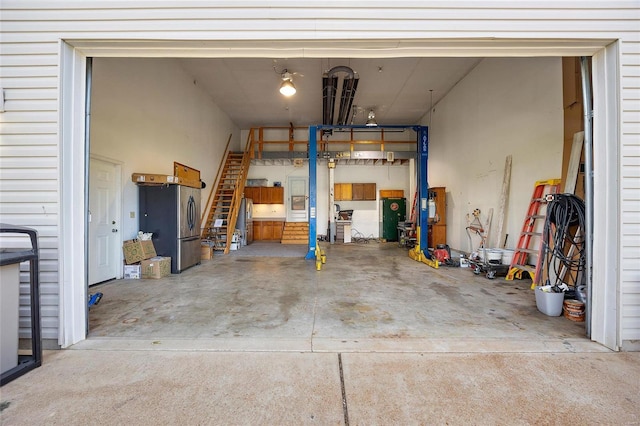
x=287, y=88
x=371, y=119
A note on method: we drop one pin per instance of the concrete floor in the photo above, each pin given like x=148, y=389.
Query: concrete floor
x=372, y=338
x=366, y=297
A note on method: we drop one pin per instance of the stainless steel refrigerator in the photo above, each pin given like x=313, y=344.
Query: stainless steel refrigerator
x=172, y=213
x=245, y=221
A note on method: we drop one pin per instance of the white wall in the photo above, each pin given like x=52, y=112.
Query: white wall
x=505, y=106
x=148, y=113
x=365, y=213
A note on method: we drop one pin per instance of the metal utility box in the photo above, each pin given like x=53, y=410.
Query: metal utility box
x=10, y=259
x=392, y=211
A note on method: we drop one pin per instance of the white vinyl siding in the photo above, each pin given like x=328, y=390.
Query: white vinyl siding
x=31, y=33
x=630, y=189
x=29, y=175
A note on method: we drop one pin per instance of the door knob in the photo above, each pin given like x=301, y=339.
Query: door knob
x=114, y=230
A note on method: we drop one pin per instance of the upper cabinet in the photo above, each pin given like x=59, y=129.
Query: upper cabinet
x=265, y=194
x=342, y=192
x=354, y=191
x=272, y=195
x=252, y=192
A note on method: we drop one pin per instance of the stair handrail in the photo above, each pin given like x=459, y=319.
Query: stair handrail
x=232, y=217
x=214, y=188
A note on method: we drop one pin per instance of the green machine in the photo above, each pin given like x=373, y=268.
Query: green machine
x=392, y=210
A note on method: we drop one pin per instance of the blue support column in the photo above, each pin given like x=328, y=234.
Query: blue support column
x=313, y=162
x=423, y=189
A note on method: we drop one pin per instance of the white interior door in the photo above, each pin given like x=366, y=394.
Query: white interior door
x=104, y=221
x=297, y=199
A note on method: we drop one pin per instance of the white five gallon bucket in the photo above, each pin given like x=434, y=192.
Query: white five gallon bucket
x=494, y=255
x=507, y=256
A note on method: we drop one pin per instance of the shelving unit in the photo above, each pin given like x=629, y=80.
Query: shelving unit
x=438, y=228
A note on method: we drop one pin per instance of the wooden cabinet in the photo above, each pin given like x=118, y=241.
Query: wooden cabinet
x=357, y=191
x=438, y=229
x=342, y=192
x=272, y=195
x=391, y=193
x=440, y=195
x=265, y=194
x=278, y=229
x=437, y=235
x=252, y=192
x=267, y=230
x=354, y=191
x=369, y=191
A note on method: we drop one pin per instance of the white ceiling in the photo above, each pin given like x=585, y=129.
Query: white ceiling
x=397, y=89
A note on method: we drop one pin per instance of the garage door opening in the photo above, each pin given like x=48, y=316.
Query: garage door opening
x=144, y=112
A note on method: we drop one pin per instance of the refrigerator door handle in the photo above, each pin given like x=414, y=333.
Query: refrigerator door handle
x=191, y=207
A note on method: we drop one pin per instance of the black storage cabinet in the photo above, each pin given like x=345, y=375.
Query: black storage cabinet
x=8, y=257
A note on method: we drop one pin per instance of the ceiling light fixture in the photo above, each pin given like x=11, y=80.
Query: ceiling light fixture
x=371, y=119
x=287, y=88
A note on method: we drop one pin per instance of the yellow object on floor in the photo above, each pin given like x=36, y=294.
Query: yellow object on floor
x=418, y=256
x=321, y=257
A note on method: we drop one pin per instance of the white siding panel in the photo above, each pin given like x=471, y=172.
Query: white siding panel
x=631, y=128
x=30, y=82
x=27, y=210
x=34, y=71
x=631, y=82
x=28, y=185
x=31, y=32
x=28, y=128
x=7, y=151
x=42, y=197
x=320, y=26
x=329, y=10
x=29, y=105
x=8, y=175
x=16, y=94
x=631, y=105
x=30, y=140
x=33, y=163
x=27, y=116
x=39, y=60
x=21, y=49
x=631, y=117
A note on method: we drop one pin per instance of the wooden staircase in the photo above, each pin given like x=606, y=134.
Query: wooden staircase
x=223, y=208
x=295, y=233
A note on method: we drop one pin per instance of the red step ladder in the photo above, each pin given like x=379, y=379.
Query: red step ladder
x=532, y=232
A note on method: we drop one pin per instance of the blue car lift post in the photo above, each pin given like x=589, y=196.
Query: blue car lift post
x=420, y=252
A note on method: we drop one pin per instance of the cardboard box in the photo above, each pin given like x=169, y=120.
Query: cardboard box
x=206, y=252
x=156, y=267
x=137, y=250
x=132, y=272
x=154, y=179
